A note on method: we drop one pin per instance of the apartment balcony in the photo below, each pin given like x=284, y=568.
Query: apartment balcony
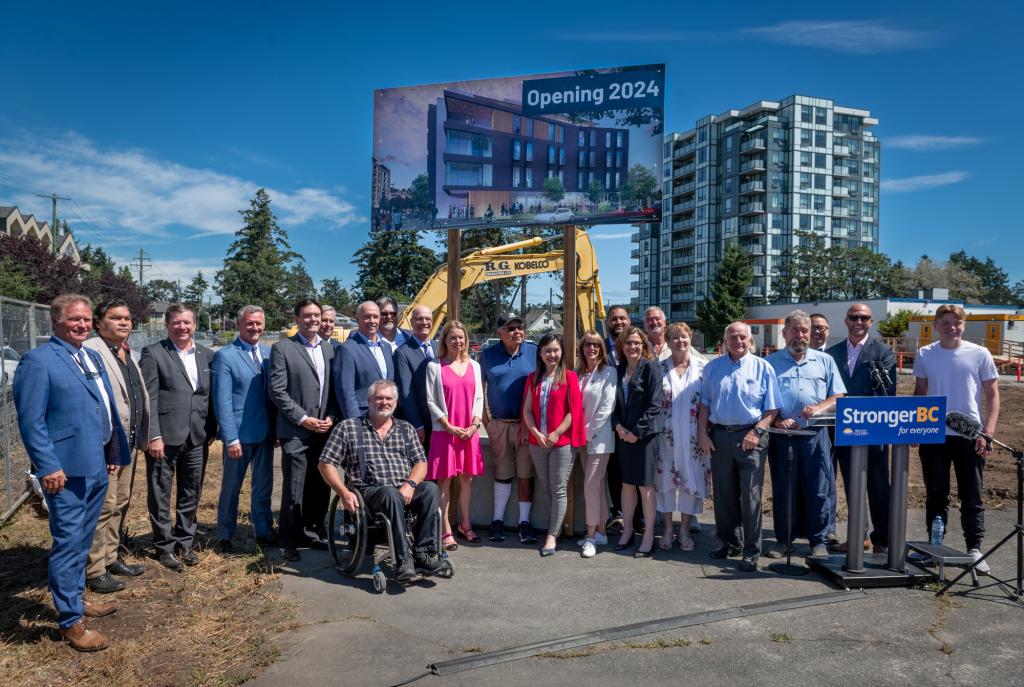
x=840, y=171
x=751, y=187
x=634, y=286
x=753, y=167
x=755, y=292
x=841, y=151
x=683, y=224
x=755, y=248
x=685, y=242
x=634, y=269
x=683, y=189
x=840, y=192
x=681, y=260
x=684, y=295
x=683, y=170
x=840, y=211
x=747, y=209
x=753, y=145
x=682, y=279
x=687, y=206
x=684, y=151
x=634, y=237
x=635, y=253
x=752, y=228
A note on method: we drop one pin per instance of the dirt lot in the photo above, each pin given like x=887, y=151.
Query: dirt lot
x=1000, y=473
x=212, y=625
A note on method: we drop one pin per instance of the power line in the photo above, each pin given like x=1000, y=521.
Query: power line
x=53, y=226
x=142, y=261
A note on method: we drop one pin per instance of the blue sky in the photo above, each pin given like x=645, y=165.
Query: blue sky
x=161, y=121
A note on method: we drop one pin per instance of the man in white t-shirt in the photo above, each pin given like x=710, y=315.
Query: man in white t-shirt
x=964, y=373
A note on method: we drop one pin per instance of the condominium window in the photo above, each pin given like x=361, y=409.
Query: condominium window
x=593, y=158
x=607, y=139
x=581, y=160
x=583, y=141
x=819, y=160
x=561, y=133
x=727, y=184
x=581, y=181
x=618, y=176
x=805, y=181
x=619, y=137
x=805, y=222
x=728, y=165
x=551, y=132
x=561, y=156
x=517, y=124
x=820, y=115
x=608, y=158
x=805, y=201
x=806, y=113
x=467, y=174
x=728, y=206
x=517, y=177
x=819, y=139
x=805, y=159
x=529, y=177
x=728, y=143
x=529, y=127
x=516, y=149
x=819, y=203
x=551, y=155
x=593, y=138
x=819, y=181
x=529, y=151
x=618, y=158
x=462, y=143
x=607, y=179
x=805, y=137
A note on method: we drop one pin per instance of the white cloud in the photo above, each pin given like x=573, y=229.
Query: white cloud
x=858, y=37
x=136, y=192
x=927, y=143
x=922, y=183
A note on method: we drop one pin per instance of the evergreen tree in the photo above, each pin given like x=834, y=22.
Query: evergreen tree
x=297, y=283
x=163, y=290
x=995, y=283
x=256, y=264
x=392, y=263
x=725, y=303
x=334, y=294
x=14, y=283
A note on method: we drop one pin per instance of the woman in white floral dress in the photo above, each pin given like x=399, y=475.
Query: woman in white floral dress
x=683, y=472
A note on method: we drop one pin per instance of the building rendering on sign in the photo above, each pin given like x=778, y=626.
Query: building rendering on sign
x=758, y=178
x=13, y=223
x=483, y=152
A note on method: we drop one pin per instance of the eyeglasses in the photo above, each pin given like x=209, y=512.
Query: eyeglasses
x=859, y=318
x=591, y=344
x=820, y=328
x=513, y=327
x=633, y=343
x=387, y=314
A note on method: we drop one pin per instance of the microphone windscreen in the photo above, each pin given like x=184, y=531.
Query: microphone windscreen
x=963, y=424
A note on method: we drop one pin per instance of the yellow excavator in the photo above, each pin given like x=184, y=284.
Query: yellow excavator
x=488, y=264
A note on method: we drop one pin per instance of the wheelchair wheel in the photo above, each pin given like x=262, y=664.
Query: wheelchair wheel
x=347, y=535
x=448, y=571
x=380, y=582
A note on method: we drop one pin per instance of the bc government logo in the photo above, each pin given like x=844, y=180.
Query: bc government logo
x=872, y=420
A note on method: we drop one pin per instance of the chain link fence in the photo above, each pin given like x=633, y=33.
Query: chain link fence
x=23, y=326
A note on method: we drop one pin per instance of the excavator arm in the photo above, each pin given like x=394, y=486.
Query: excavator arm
x=488, y=264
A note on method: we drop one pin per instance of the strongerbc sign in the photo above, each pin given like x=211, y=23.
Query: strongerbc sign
x=874, y=420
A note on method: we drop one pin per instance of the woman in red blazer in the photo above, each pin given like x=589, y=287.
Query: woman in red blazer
x=553, y=415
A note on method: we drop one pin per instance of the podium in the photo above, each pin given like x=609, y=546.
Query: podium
x=899, y=421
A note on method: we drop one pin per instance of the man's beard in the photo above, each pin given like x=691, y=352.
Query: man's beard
x=381, y=414
x=798, y=347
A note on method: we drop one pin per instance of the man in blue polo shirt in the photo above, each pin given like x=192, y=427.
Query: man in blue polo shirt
x=505, y=367
x=809, y=383
x=739, y=395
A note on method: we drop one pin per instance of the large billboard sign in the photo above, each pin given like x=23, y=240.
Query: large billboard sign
x=580, y=147
x=877, y=420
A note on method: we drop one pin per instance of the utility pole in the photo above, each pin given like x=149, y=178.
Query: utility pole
x=53, y=224
x=142, y=262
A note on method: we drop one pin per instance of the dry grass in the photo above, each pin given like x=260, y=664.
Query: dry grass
x=211, y=625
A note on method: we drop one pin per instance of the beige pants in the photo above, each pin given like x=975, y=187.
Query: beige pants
x=107, y=538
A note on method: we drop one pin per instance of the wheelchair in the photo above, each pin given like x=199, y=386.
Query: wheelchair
x=352, y=537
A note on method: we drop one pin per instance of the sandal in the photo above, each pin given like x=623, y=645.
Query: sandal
x=686, y=542
x=448, y=542
x=665, y=542
x=468, y=534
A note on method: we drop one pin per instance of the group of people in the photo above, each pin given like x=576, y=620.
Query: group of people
x=392, y=418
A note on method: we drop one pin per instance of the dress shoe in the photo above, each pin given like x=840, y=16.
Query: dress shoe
x=99, y=610
x=428, y=565
x=748, y=565
x=778, y=550
x=225, y=547
x=724, y=552
x=842, y=548
x=290, y=554
x=407, y=572
x=265, y=542
x=104, y=584
x=879, y=549
x=119, y=567
x=83, y=639
x=189, y=557
x=171, y=562
x=640, y=553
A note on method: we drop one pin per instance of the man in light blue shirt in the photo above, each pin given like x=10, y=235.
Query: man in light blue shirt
x=739, y=399
x=809, y=383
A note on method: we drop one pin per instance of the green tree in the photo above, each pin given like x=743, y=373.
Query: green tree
x=196, y=290
x=256, y=264
x=726, y=301
x=16, y=284
x=333, y=293
x=595, y=192
x=1018, y=292
x=554, y=190
x=163, y=290
x=639, y=184
x=896, y=323
x=963, y=285
x=419, y=192
x=297, y=283
x=995, y=283
x=814, y=271
x=392, y=263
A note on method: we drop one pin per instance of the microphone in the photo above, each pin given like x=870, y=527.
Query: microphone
x=879, y=376
x=965, y=425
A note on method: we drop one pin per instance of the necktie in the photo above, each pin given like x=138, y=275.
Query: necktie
x=256, y=360
x=81, y=361
x=428, y=352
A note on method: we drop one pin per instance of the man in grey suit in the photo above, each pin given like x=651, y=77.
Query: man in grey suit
x=858, y=357
x=364, y=359
x=411, y=360
x=176, y=372
x=113, y=322
x=300, y=389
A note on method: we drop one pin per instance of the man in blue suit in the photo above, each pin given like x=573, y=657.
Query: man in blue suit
x=72, y=432
x=411, y=360
x=240, y=375
x=364, y=359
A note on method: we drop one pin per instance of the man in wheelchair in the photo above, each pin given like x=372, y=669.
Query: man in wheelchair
x=384, y=460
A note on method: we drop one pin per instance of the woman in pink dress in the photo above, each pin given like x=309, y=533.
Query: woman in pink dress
x=456, y=402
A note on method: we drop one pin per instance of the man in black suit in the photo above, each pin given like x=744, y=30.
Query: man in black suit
x=411, y=360
x=300, y=389
x=857, y=357
x=616, y=322
x=176, y=372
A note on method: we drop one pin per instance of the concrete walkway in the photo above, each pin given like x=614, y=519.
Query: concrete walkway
x=506, y=595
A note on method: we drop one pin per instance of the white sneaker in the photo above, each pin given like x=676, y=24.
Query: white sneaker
x=598, y=540
x=981, y=568
x=589, y=550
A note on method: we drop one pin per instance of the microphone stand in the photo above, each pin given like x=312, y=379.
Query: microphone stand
x=790, y=568
x=1017, y=592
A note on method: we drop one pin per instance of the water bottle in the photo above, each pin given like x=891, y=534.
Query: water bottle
x=938, y=531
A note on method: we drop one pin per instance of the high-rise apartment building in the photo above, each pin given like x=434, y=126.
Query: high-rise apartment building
x=759, y=177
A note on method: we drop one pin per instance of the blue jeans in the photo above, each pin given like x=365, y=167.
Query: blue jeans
x=807, y=487
x=74, y=512
x=261, y=457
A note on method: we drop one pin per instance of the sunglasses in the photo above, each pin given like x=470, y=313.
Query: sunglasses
x=591, y=344
x=859, y=318
x=513, y=327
